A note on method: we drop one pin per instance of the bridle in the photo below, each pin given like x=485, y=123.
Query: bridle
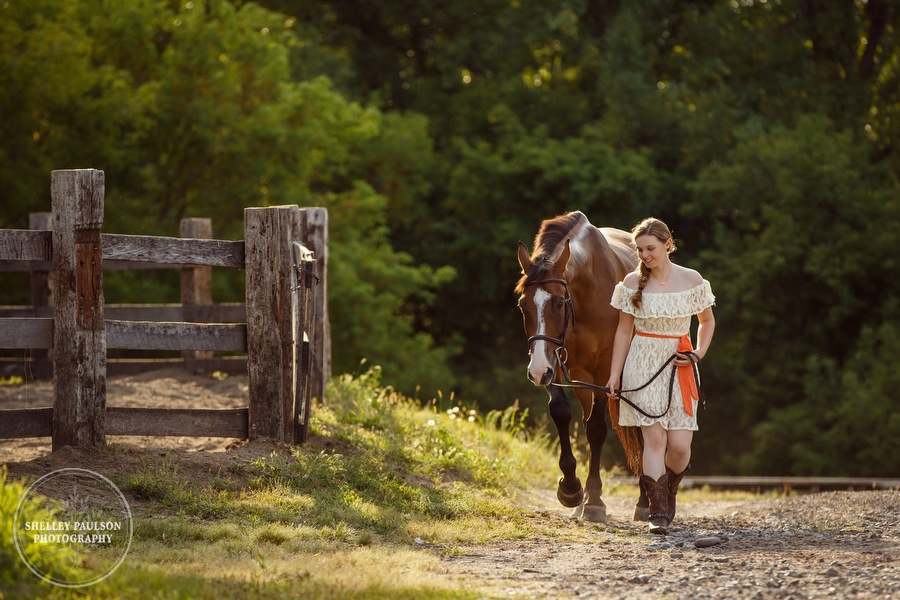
x=562, y=357
x=569, y=316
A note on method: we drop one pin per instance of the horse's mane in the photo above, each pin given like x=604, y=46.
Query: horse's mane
x=547, y=245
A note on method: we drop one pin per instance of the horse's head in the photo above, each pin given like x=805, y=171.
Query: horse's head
x=546, y=310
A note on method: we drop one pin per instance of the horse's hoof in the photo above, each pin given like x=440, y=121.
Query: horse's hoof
x=641, y=513
x=659, y=525
x=595, y=513
x=570, y=499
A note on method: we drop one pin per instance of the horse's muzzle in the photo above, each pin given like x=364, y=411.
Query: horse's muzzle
x=545, y=379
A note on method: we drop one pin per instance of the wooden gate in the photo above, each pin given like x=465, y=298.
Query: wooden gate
x=285, y=333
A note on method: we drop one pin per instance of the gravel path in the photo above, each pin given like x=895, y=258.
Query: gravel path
x=825, y=545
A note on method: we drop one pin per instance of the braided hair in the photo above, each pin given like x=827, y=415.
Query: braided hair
x=659, y=230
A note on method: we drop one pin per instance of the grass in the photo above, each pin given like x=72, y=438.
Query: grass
x=366, y=510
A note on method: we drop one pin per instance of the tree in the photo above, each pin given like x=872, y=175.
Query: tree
x=446, y=130
x=192, y=110
x=794, y=254
x=372, y=286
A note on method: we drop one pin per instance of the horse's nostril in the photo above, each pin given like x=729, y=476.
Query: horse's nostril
x=547, y=378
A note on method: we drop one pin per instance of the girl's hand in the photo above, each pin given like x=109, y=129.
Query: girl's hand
x=612, y=384
x=684, y=360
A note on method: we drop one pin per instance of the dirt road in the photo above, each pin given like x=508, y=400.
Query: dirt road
x=826, y=545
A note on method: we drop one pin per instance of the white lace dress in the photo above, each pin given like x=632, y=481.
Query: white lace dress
x=661, y=313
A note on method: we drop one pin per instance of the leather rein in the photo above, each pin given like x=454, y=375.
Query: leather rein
x=562, y=357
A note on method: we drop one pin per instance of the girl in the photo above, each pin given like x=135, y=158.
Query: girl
x=655, y=305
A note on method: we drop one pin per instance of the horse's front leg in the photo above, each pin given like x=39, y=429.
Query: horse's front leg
x=595, y=427
x=569, y=491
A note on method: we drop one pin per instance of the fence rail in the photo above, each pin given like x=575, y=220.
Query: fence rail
x=788, y=483
x=35, y=248
x=782, y=483
x=279, y=328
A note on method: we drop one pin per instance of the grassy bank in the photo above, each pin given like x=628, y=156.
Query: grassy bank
x=366, y=509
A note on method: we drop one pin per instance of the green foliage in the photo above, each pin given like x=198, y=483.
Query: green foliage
x=443, y=439
x=57, y=560
x=159, y=483
x=372, y=289
x=440, y=133
x=511, y=419
x=397, y=454
x=795, y=255
x=192, y=111
x=345, y=515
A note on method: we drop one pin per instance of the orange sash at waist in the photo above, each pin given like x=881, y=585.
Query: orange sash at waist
x=685, y=373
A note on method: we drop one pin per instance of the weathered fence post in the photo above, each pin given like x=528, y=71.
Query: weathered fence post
x=268, y=263
x=79, y=338
x=315, y=237
x=196, y=287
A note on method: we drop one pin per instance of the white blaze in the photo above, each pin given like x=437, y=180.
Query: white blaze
x=539, y=362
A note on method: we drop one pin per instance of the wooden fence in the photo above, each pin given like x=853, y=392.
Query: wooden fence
x=196, y=306
x=282, y=327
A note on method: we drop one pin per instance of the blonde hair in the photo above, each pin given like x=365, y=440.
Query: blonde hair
x=659, y=230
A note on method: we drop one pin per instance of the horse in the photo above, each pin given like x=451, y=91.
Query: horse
x=564, y=296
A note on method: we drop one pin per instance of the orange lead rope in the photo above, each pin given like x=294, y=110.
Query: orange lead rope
x=685, y=373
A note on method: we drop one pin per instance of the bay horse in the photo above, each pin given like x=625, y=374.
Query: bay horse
x=564, y=295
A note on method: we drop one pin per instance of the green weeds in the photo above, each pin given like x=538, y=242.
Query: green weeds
x=347, y=515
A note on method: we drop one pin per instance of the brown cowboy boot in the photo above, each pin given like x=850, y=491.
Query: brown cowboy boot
x=674, y=482
x=658, y=493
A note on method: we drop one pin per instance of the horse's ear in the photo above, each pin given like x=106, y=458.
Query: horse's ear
x=524, y=259
x=563, y=259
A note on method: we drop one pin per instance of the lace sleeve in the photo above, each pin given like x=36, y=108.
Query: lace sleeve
x=702, y=297
x=621, y=298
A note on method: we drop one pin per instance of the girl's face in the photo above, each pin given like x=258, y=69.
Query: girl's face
x=651, y=251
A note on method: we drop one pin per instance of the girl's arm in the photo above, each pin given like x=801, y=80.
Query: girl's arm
x=704, y=337
x=705, y=331
x=621, y=344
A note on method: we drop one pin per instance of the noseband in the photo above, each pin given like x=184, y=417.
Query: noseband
x=569, y=316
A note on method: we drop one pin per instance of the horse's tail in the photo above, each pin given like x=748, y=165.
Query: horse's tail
x=631, y=439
